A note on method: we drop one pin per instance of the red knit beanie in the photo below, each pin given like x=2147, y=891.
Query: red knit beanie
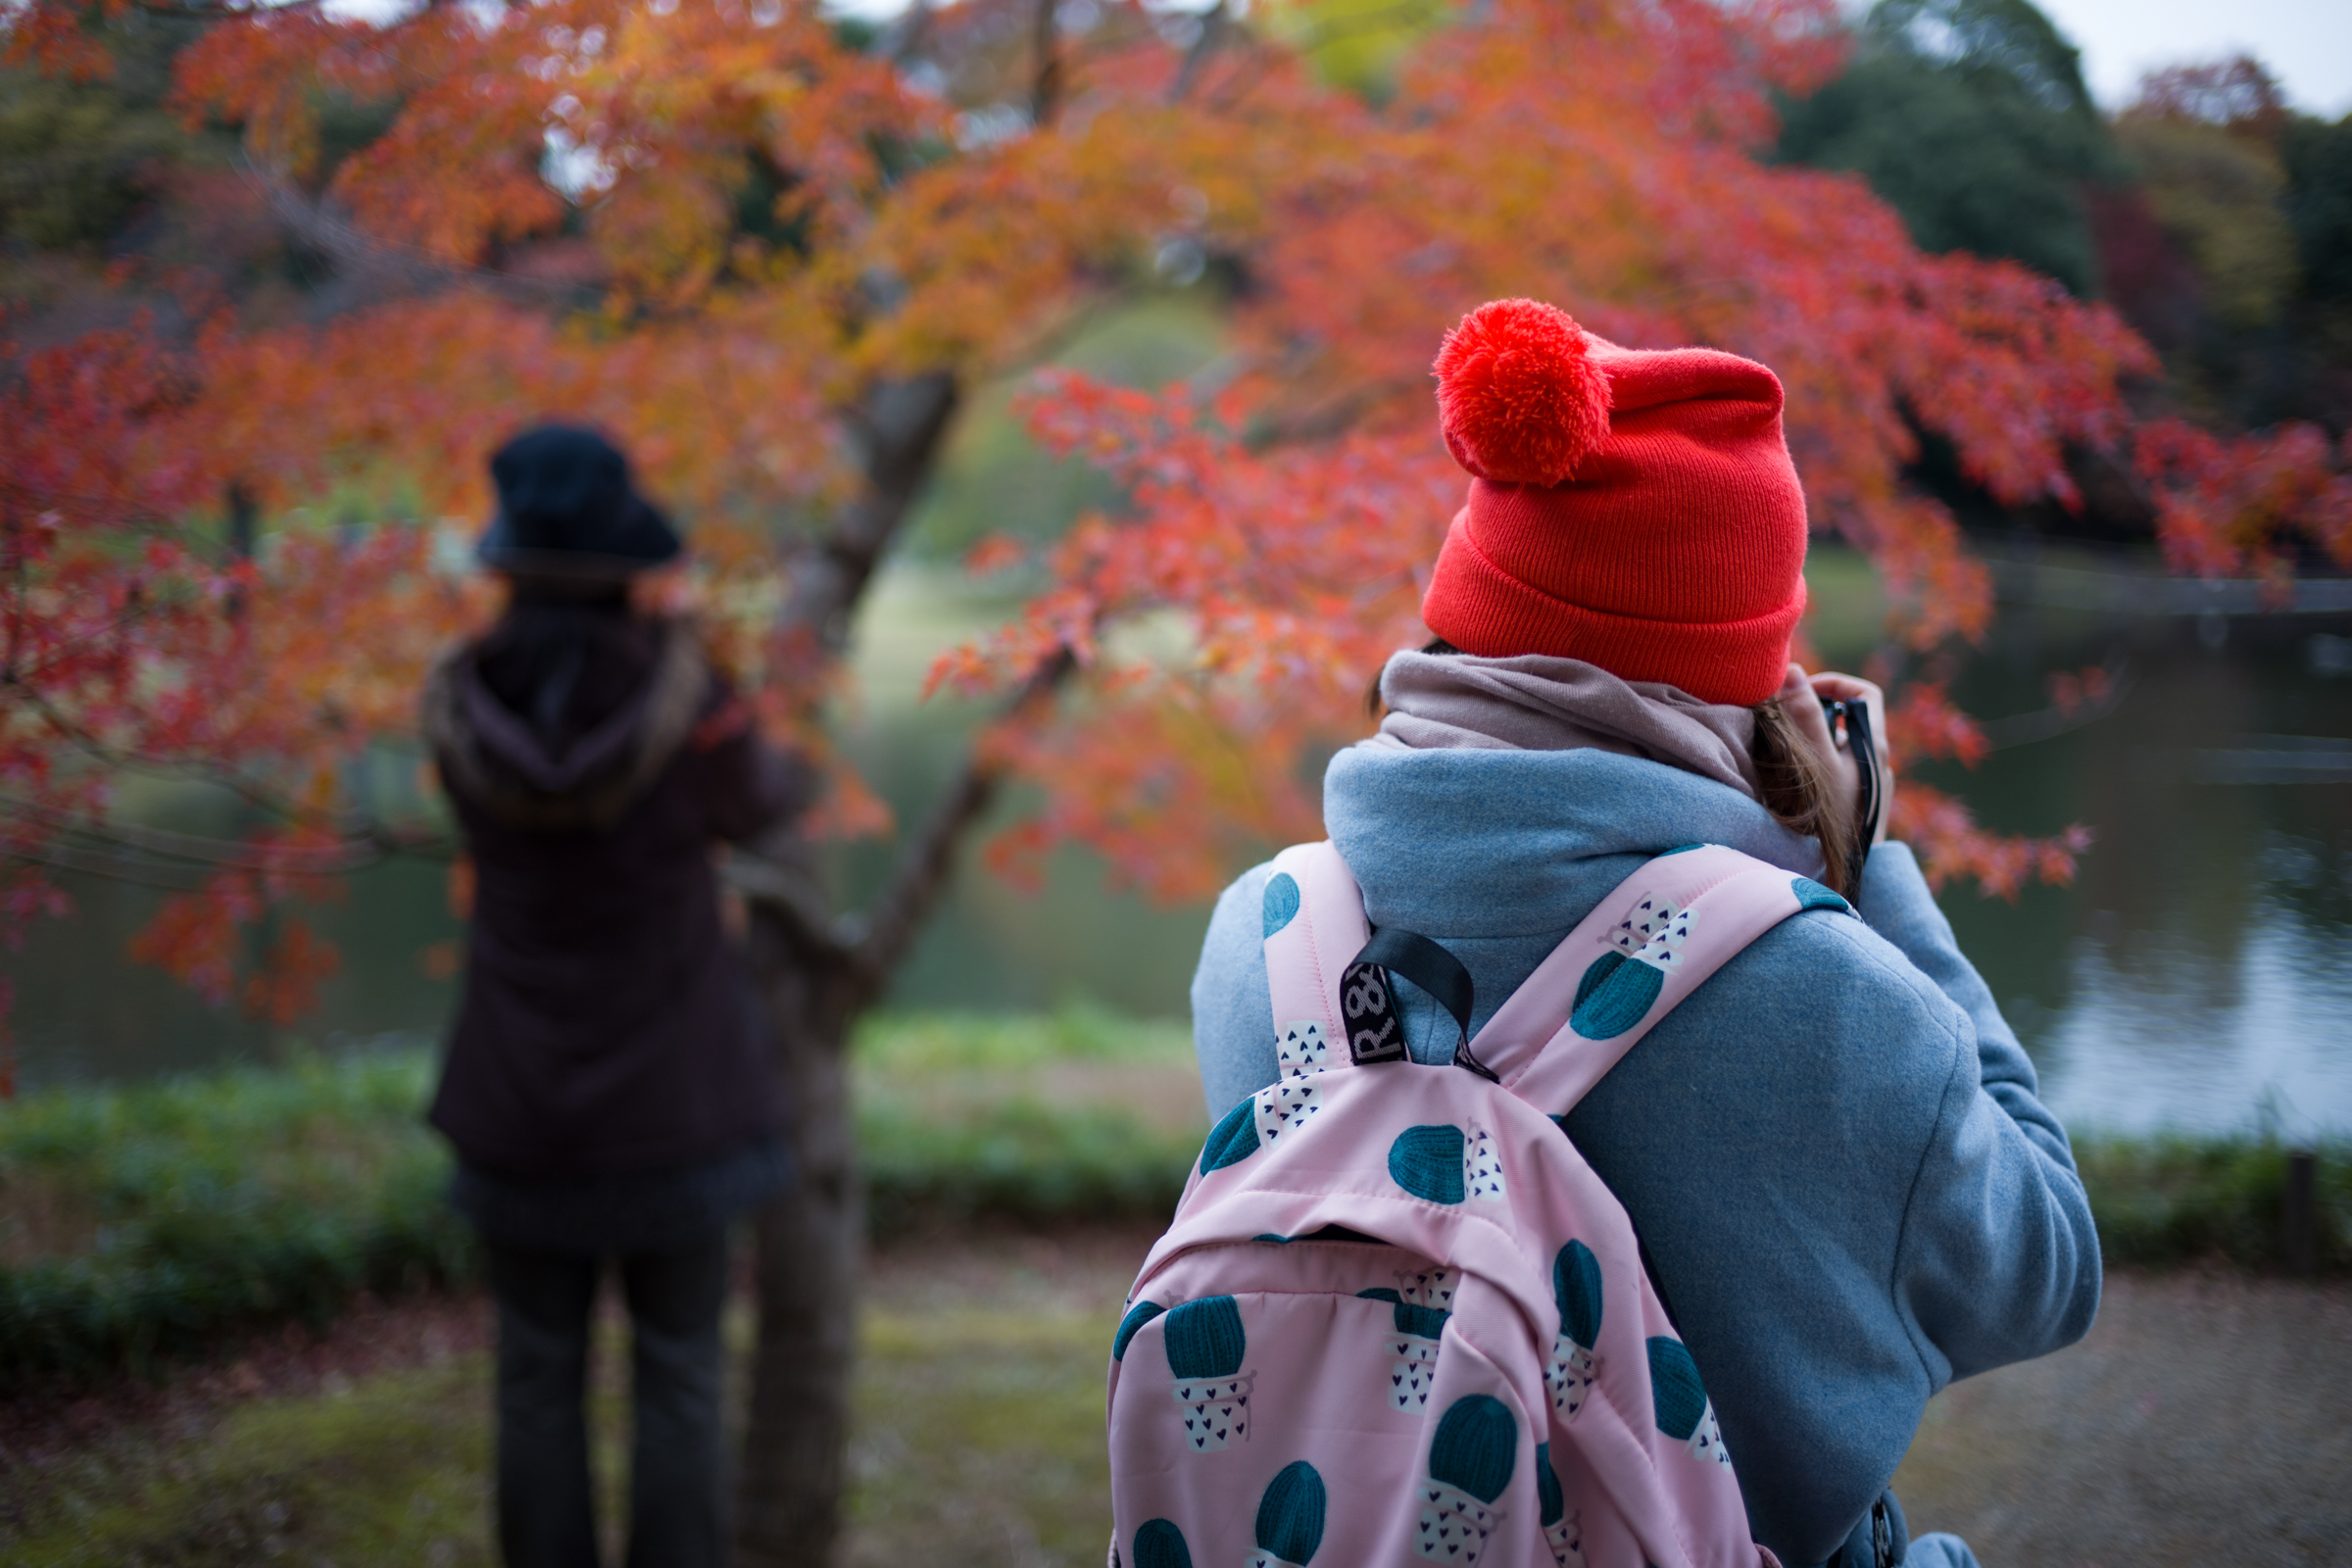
x=1634, y=508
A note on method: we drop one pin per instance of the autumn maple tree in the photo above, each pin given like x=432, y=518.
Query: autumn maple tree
x=775, y=257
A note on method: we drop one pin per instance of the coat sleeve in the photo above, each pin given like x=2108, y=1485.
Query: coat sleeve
x=748, y=786
x=1897, y=905
x=1999, y=1260
x=1233, y=1004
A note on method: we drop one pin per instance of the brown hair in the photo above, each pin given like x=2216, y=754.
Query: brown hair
x=1797, y=785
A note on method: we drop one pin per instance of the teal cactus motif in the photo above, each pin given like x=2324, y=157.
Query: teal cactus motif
x=1811, y=894
x=1596, y=974
x=1411, y=1317
x=1290, y=1516
x=1232, y=1140
x=1681, y=1400
x=1427, y=1162
x=1552, y=1506
x=1475, y=1448
x=1422, y=1322
x=1204, y=1337
x=1613, y=995
x=1140, y=1314
x=1160, y=1545
x=1282, y=902
x=1576, y=1287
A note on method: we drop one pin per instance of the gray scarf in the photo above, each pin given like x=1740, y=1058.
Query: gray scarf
x=1534, y=702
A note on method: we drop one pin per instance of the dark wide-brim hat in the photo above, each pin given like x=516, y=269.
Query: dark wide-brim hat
x=566, y=509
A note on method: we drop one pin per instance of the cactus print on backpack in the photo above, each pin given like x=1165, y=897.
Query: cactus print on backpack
x=1560, y=1532
x=1411, y=1347
x=1290, y=1519
x=1683, y=1409
x=1470, y=1464
x=1440, y=1163
x=1576, y=1289
x=1206, y=1345
x=1285, y=1108
x=1482, y=1165
x=1621, y=986
x=1158, y=1545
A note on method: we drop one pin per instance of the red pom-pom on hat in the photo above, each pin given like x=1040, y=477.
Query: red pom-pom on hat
x=1519, y=398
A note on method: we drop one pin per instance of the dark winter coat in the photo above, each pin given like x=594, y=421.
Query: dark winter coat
x=608, y=1027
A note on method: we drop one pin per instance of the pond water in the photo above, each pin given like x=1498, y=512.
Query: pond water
x=2198, y=974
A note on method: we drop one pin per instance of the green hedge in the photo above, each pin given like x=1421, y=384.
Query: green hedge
x=248, y=1195
x=172, y=1211
x=1023, y=1161
x=201, y=1202
x=2163, y=1202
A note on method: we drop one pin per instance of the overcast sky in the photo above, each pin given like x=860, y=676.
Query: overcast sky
x=2307, y=45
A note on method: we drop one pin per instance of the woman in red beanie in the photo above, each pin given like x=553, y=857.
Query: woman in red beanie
x=1832, y=1151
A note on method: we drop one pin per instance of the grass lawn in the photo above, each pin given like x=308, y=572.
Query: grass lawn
x=387, y=1469
x=979, y=1423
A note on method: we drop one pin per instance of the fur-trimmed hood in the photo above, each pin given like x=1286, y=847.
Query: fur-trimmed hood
x=513, y=774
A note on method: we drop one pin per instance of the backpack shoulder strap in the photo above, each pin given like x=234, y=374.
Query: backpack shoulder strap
x=1314, y=927
x=1655, y=939
x=1651, y=942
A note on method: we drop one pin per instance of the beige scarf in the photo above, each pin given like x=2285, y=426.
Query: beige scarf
x=1535, y=703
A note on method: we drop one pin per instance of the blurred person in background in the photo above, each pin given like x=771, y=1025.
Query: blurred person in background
x=607, y=1086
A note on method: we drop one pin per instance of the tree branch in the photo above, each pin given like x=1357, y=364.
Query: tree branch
x=357, y=850
x=1213, y=22
x=924, y=873
x=395, y=266
x=899, y=424
x=793, y=900
x=1046, y=70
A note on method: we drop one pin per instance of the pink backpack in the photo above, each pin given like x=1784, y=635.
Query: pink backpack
x=1398, y=1319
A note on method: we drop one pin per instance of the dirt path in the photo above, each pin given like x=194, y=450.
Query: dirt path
x=2203, y=1422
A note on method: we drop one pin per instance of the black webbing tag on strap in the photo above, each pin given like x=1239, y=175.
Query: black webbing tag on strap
x=1375, y=1034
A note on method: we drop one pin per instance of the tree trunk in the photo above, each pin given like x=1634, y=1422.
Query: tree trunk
x=788, y=1508
x=815, y=974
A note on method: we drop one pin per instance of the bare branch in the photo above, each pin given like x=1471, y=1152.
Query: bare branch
x=1047, y=70
x=394, y=267
x=164, y=768
x=58, y=858
x=367, y=845
x=1213, y=22
x=224, y=12
x=924, y=873
x=904, y=39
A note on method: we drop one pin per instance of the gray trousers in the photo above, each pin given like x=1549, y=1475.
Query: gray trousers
x=546, y=1509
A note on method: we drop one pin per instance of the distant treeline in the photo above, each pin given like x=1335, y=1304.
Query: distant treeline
x=140, y=1224
x=2217, y=219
